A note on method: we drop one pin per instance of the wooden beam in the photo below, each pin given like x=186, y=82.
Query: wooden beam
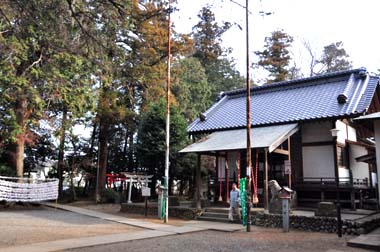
x=238, y=168
x=227, y=180
x=266, y=193
x=336, y=159
x=198, y=183
x=219, y=177
x=290, y=160
x=377, y=140
x=281, y=151
x=319, y=143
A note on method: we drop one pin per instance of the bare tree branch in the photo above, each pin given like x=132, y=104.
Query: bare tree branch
x=33, y=64
x=120, y=8
x=74, y=15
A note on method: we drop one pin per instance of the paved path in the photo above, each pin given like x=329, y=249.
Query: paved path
x=152, y=230
x=85, y=242
x=189, y=226
x=368, y=241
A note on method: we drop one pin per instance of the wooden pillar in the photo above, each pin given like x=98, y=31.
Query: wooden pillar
x=352, y=194
x=220, y=178
x=227, y=180
x=130, y=190
x=322, y=195
x=290, y=161
x=370, y=167
x=238, y=168
x=266, y=193
x=198, y=183
x=336, y=168
x=377, y=140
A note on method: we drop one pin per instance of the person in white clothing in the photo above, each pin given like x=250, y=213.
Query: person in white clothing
x=234, y=202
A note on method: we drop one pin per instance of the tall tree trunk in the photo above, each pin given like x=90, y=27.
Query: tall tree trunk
x=92, y=145
x=61, y=152
x=20, y=146
x=131, y=163
x=125, y=154
x=90, y=185
x=20, y=142
x=74, y=195
x=103, y=153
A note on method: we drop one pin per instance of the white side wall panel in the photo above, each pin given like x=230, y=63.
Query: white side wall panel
x=359, y=169
x=316, y=132
x=352, y=134
x=318, y=161
x=342, y=133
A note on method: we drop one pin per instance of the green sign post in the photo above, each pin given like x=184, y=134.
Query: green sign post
x=243, y=199
x=163, y=199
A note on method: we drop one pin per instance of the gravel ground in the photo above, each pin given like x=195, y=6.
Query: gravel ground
x=259, y=239
x=24, y=226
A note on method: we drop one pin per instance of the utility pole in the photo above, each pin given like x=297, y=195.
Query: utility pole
x=249, y=158
x=167, y=163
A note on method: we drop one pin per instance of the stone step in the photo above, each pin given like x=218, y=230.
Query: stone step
x=223, y=210
x=367, y=218
x=218, y=215
x=217, y=210
x=215, y=219
x=368, y=241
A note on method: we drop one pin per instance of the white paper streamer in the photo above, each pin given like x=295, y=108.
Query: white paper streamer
x=28, y=190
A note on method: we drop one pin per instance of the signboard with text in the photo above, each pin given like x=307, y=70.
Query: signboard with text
x=287, y=167
x=145, y=191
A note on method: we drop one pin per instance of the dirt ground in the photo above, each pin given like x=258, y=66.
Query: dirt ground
x=259, y=240
x=115, y=209
x=24, y=225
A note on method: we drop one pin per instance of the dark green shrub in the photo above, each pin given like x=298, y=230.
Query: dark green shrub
x=7, y=171
x=110, y=196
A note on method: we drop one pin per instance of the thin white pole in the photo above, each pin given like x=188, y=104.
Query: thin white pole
x=167, y=123
x=249, y=159
x=97, y=195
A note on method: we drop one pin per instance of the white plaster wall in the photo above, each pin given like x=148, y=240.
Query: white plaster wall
x=344, y=174
x=346, y=132
x=342, y=133
x=320, y=132
x=316, y=132
x=352, y=134
x=318, y=161
x=374, y=178
x=359, y=169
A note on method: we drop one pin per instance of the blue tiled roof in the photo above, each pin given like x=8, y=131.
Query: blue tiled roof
x=292, y=101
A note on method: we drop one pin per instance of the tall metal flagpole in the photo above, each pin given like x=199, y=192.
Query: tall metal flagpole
x=167, y=123
x=249, y=159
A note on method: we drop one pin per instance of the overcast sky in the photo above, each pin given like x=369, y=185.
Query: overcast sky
x=322, y=22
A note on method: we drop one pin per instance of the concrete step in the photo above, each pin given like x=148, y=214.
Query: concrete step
x=215, y=219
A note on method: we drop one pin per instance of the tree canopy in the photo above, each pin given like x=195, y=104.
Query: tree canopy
x=220, y=70
x=334, y=58
x=275, y=57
